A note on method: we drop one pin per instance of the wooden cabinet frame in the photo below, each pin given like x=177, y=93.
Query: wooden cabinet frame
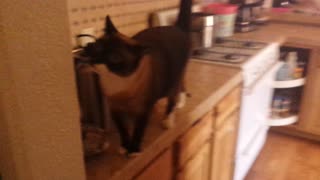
x=308, y=125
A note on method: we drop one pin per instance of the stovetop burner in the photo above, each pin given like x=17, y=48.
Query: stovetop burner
x=229, y=51
x=220, y=56
x=240, y=44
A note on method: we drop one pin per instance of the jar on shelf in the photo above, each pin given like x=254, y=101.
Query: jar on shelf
x=285, y=107
x=276, y=107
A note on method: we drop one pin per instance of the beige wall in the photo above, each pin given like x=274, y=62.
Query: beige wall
x=39, y=114
x=130, y=16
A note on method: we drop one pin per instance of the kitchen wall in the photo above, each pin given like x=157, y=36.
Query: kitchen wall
x=39, y=113
x=130, y=16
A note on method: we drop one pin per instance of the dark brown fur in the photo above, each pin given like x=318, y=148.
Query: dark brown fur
x=167, y=51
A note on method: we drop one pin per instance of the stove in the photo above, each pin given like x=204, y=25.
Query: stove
x=230, y=51
x=258, y=62
x=253, y=57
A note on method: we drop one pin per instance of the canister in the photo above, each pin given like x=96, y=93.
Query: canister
x=225, y=18
x=202, y=30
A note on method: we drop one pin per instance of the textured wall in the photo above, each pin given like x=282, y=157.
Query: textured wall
x=130, y=16
x=39, y=114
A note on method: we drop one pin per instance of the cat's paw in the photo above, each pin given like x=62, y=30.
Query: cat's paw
x=182, y=100
x=122, y=150
x=134, y=154
x=169, y=122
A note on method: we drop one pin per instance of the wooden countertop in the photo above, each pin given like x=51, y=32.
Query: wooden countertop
x=304, y=14
x=207, y=83
x=281, y=30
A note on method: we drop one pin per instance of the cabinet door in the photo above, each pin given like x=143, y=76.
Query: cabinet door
x=195, y=137
x=223, y=151
x=160, y=169
x=226, y=106
x=198, y=167
x=310, y=113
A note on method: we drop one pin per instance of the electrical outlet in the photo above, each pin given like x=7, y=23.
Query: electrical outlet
x=83, y=41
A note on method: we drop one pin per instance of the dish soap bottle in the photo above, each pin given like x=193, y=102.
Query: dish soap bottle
x=286, y=71
x=292, y=59
x=283, y=72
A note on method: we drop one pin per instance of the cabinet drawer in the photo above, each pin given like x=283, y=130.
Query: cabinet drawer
x=161, y=168
x=198, y=167
x=195, y=137
x=227, y=106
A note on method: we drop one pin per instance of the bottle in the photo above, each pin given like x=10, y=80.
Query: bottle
x=283, y=73
x=285, y=107
x=276, y=107
x=292, y=62
x=298, y=72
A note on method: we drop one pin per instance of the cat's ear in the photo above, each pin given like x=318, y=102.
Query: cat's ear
x=109, y=27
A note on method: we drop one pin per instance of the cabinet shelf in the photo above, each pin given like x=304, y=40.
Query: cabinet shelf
x=283, y=121
x=289, y=83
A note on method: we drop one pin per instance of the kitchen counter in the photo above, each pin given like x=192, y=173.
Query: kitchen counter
x=207, y=83
x=279, y=30
x=299, y=14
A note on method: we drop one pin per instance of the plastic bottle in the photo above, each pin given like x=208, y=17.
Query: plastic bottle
x=287, y=70
x=283, y=73
x=276, y=107
x=298, y=73
x=292, y=59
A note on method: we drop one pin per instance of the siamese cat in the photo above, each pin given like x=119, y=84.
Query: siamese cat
x=137, y=71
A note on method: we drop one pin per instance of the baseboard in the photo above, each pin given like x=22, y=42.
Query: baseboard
x=296, y=132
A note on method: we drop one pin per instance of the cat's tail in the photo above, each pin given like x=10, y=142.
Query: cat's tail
x=184, y=17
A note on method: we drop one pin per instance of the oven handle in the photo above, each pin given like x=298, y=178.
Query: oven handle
x=248, y=90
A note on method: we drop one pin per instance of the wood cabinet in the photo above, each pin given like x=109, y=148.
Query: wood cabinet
x=310, y=113
x=188, y=145
x=223, y=151
x=206, y=151
x=308, y=125
x=161, y=168
x=224, y=136
x=198, y=167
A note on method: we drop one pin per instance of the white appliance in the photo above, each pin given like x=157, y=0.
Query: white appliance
x=259, y=63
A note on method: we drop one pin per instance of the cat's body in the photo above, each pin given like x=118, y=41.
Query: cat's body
x=141, y=70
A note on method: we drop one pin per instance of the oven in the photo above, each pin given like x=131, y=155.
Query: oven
x=253, y=127
x=259, y=64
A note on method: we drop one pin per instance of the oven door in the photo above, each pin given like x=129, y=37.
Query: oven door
x=253, y=121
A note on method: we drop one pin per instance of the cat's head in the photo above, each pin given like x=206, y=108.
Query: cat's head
x=121, y=54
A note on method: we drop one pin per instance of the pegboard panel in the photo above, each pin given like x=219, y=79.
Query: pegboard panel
x=129, y=16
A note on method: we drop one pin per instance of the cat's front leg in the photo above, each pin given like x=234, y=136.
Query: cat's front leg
x=183, y=95
x=169, y=121
x=141, y=124
x=119, y=120
x=182, y=100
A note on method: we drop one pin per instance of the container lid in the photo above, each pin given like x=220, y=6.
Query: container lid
x=220, y=8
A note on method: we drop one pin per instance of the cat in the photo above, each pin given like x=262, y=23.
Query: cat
x=140, y=70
